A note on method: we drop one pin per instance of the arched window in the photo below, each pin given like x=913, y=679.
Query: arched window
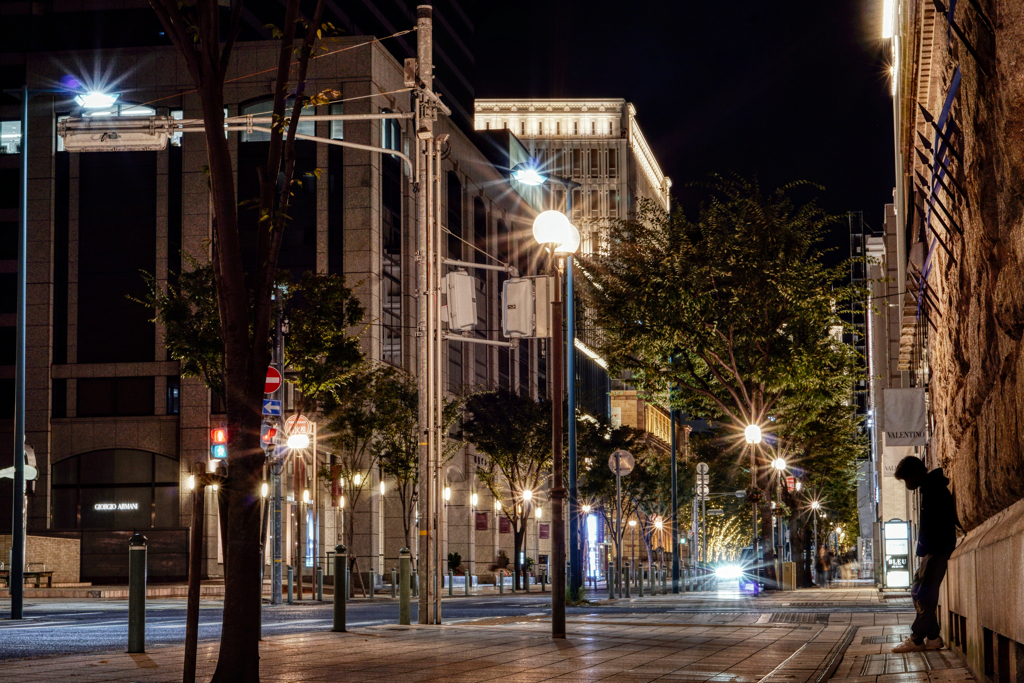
x=266, y=107
x=116, y=489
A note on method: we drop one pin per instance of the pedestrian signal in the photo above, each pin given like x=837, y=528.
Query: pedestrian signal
x=219, y=443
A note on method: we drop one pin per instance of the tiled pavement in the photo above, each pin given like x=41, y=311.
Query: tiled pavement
x=869, y=660
x=666, y=646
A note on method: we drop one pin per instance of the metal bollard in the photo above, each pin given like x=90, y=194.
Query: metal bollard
x=137, y=593
x=348, y=583
x=650, y=579
x=320, y=583
x=340, y=592
x=415, y=584
x=626, y=590
x=640, y=582
x=291, y=584
x=404, y=563
x=451, y=583
x=501, y=582
x=664, y=582
x=394, y=583
x=543, y=580
x=611, y=584
x=469, y=583
x=373, y=582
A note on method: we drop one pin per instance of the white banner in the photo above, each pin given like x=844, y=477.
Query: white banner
x=904, y=417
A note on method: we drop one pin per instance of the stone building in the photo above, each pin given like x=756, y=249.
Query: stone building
x=598, y=144
x=110, y=417
x=957, y=220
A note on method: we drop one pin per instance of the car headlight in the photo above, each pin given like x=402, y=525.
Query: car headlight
x=729, y=571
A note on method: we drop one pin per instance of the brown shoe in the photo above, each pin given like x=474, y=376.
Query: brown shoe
x=909, y=645
x=934, y=643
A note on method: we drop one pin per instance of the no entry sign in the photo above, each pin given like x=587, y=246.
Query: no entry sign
x=273, y=382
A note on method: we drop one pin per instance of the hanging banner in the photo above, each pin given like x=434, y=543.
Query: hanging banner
x=904, y=417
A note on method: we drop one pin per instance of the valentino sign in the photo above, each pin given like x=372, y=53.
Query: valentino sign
x=905, y=417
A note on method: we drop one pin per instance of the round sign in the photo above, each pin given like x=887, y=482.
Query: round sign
x=273, y=382
x=702, y=468
x=621, y=462
x=703, y=490
x=298, y=424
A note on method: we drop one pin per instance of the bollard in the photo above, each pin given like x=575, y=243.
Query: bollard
x=373, y=582
x=611, y=584
x=291, y=584
x=626, y=590
x=404, y=562
x=469, y=583
x=640, y=582
x=543, y=580
x=320, y=583
x=664, y=582
x=348, y=583
x=394, y=583
x=415, y=584
x=501, y=582
x=451, y=583
x=137, y=593
x=340, y=592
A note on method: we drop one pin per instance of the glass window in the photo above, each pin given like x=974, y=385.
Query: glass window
x=266, y=107
x=595, y=162
x=173, y=395
x=10, y=137
x=613, y=202
x=115, y=489
x=595, y=204
x=337, y=127
x=613, y=163
x=178, y=115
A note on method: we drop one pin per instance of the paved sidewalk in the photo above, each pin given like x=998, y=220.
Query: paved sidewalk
x=869, y=660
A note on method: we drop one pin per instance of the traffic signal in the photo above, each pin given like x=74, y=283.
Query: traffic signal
x=219, y=443
x=268, y=435
x=460, y=287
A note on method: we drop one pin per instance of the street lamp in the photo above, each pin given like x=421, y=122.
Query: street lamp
x=528, y=174
x=815, y=506
x=473, y=499
x=779, y=465
x=752, y=433
x=299, y=442
x=632, y=548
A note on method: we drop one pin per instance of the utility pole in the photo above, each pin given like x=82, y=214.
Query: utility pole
x=675, y=503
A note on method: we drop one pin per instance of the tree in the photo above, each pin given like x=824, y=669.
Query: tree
x=515, y=433
x=730, y=316
x=397, y=445
x=244, y=300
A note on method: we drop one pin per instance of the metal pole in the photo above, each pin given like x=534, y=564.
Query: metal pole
x=137, y=593
x=195, y=568
x=16, y=580
x=675, y=504
x=618, y=527
x=557, y=488
x=704, y=525
x=814, y=560
x=575, y=556
x=340, y=587
x=320, y=584
x=424, y=322
x=753, y=484
x=291, y=585
x=404, y=562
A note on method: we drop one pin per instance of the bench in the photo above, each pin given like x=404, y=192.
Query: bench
x=33, y=576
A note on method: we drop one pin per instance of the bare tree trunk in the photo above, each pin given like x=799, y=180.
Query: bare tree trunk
x=519, y=538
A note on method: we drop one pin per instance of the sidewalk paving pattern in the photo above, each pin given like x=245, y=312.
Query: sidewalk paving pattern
x=677, y=644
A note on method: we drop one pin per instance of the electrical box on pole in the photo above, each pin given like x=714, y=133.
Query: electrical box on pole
x=460, y=287
x=526, y=306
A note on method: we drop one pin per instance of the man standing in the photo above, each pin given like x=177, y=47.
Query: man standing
x=936, y=539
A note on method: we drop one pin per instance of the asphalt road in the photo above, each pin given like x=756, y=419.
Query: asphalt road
x=61, y=627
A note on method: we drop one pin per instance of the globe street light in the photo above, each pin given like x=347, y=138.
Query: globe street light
x=779, y=465
x=553, y=229
x=529, y=174
x=752, y=433
x=815, y=505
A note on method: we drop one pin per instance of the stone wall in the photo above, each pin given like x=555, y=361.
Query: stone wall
x=44, y=553
x=977, y=383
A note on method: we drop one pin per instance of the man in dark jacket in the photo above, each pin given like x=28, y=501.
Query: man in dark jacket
x=936, y=540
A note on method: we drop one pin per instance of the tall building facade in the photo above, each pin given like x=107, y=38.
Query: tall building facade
x=110, y=417
x=598, y=144
x=955, y=315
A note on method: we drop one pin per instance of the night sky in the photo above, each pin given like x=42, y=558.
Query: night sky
x=782, y=91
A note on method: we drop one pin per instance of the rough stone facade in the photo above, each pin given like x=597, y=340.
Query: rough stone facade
x=977, y=387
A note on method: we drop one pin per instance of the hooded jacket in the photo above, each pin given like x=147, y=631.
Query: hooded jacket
x=936, y=533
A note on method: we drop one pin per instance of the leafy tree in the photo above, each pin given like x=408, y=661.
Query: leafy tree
x=515, y=433
x=733, y=312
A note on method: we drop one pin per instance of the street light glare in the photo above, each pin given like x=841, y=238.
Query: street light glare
x=815, y=505
x=298, y=441
x=473, y=499
x=632, y=522
x=552, y=227
x=527, y=494
x=538, y=513
x=528, y=176
x=779, y=464
x=753, y=434
x=264, y=490
x=96, y=100
x=571, y=245
x=447, y=494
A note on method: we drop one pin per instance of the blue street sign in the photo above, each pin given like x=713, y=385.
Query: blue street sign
x=271, y=407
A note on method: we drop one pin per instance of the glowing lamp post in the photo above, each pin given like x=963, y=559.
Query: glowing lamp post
x=752, y=433
x=779, y=465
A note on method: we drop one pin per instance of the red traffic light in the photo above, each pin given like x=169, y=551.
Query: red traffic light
x=268, y=436
x=219, y=435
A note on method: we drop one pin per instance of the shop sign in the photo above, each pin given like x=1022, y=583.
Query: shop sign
x=107, y=507
x=481, y=521
x=504, y=526
x=545, y=531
